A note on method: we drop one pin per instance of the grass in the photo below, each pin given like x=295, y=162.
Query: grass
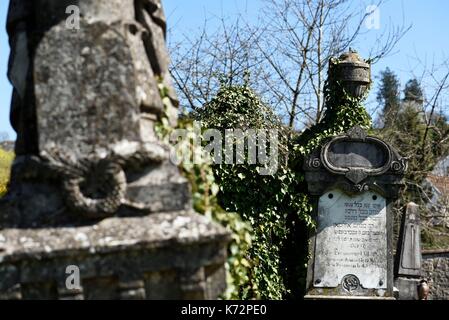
x=6, y=159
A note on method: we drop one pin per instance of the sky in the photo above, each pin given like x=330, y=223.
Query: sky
x=427, y=39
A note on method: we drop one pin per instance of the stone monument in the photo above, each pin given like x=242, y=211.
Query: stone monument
x=353, y=179
x=408, y=262
x=92, y=187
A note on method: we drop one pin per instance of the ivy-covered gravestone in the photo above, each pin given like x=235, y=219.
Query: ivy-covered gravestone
x=352, y=180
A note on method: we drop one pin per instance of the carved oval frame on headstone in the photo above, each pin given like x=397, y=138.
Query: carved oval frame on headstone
x=357, y=164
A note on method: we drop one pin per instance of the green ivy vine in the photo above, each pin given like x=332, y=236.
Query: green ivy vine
x=277, y=206
x=269, y=216
x=267, y=202
x=204, y=196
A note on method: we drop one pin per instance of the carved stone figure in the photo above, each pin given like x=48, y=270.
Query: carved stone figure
x=84, y=107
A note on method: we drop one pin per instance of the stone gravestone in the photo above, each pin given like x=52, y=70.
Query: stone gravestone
x=92, y=190
x=353, y=179
x=408, y=262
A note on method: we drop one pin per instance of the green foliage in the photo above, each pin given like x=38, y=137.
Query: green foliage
x=421, y=139
x=6, y=159
x=264, y=201
x=407, y=134
x=277, y=205
x=436, y=237
x=343, y=112
x=413, y=91
x=421, y=142
x=204, y=193
x=423, y=146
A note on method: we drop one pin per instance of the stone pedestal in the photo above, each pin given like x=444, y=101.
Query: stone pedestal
x=161, y=256
x=407, y=287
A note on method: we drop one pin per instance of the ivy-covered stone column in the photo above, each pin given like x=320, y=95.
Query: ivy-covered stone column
x=352, y=180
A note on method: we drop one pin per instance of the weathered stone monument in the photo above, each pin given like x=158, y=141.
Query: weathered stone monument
x=92, y=188
x=408, y=262
x=353, y=179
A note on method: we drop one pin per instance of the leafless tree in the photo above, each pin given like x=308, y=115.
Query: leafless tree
x=284, y=56
x=304, y=35
x=200, y=64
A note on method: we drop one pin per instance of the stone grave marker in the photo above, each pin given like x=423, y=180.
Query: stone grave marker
x=408, y=261
x=353, y=179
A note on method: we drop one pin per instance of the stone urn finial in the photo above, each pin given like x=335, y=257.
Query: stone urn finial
x=352, y=72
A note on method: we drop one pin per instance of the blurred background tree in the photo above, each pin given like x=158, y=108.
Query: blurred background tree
x=417, y=126
x=388, y=97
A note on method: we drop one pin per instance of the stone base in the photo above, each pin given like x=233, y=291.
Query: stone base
x=408, y=288
x=177, y=255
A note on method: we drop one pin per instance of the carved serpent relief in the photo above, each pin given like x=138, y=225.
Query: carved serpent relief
x=95, y=186
x=98, y=190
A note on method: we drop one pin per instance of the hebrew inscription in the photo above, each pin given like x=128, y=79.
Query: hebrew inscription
x=351, y=240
